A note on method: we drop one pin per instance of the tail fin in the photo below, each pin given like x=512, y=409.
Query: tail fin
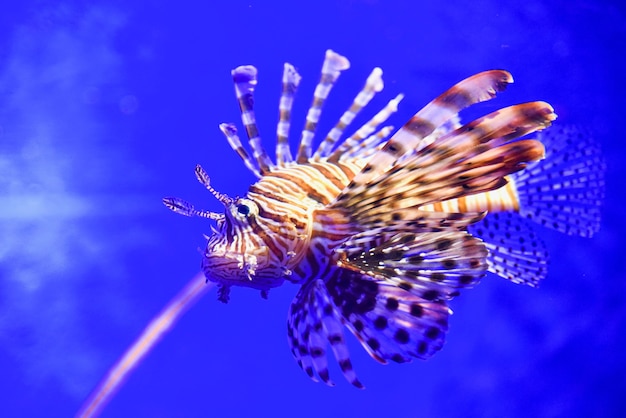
x=566, y=190
x=563, y=192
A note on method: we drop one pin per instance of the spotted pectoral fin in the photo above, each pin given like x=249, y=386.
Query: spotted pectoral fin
x=432, y=266
x=515, y=251
x=313, y=323
x=390, y=322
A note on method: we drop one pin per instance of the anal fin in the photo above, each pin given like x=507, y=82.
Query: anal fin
x=515, y=251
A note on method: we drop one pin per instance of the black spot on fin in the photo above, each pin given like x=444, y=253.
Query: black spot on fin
x=391, y=323
x=432, y=266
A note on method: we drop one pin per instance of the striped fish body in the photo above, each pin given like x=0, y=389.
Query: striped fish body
x=375, y=230
x=266, y=235
x=283, y=228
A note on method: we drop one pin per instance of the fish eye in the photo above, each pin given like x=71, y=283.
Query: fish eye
x=243, y=209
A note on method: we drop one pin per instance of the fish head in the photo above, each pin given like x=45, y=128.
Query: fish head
x=242, y=251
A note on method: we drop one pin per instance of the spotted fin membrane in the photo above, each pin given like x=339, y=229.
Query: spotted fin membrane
x=390, y=322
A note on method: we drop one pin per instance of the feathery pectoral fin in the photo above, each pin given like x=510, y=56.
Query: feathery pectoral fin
x=312, y=324
x=390, y=323
x=477, y=88
x=472, y=159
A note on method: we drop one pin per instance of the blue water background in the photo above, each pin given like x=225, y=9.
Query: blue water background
x=106, y=106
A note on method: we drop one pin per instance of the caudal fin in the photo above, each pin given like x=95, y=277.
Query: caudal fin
x=565, y=191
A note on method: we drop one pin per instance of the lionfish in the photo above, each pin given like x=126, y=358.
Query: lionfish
x=382, y=232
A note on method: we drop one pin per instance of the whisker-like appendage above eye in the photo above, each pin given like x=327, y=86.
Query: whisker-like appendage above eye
x=205, y=180
x=182, y=207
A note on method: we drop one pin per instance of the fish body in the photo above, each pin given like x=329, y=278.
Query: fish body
x=379, y=232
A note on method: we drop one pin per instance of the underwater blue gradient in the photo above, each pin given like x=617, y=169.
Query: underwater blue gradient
x=106, y=107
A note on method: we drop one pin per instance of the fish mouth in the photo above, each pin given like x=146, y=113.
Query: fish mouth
x=224, y=262
x=248, y=269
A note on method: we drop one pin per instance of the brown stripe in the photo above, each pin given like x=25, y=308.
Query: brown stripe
x=269, y=241
x=454, y=99
x=327, y=78
x=394, y=148
x=512, y=192
x=246, y=101
x=347, y=170
x=253, y=131
x=255, y=189
x=310, y=126
x=462, y=201
x=302, y=184
x=329, y=176
x=326, y=235
x=281, y=219
x=289, y=89
x=420, y=127
x=242, y=153
x=284, y=114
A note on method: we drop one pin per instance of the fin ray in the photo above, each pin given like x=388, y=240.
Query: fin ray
x=515, y=251
x=566, y=190
x=467, y=161
x=477, y=88
x=332, y=67
x=373, y=85
x=245, y=78
x=291, y=80
x=312, y=323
